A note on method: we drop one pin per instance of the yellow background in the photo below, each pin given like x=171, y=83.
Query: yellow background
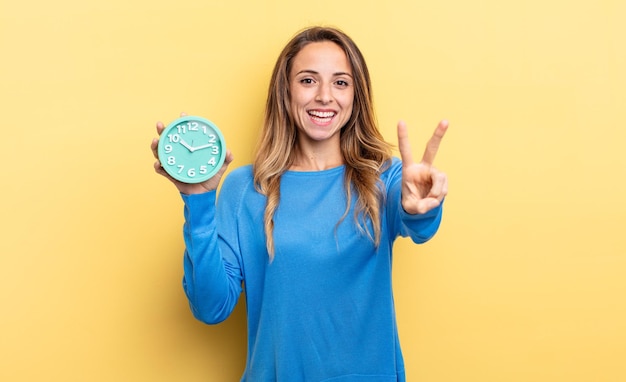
x=526, y=280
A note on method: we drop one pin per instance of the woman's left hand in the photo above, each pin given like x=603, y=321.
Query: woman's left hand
x=423, y=186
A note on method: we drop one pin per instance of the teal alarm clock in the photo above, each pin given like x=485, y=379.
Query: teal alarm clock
x=191, y=149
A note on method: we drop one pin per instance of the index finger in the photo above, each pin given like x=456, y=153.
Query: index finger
x=404, y=146
x=433, y=143
x=160, y=127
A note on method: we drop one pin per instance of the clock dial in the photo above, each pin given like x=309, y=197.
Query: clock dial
x=191, y=149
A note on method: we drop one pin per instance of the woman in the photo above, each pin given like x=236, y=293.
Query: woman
x=308, y=229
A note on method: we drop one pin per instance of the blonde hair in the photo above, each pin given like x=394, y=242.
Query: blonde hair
x=364, y=150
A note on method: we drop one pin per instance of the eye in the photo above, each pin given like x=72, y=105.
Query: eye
x=306, y=81
x=342, y=83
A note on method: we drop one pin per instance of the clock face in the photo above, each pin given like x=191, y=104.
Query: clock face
x=191, y=149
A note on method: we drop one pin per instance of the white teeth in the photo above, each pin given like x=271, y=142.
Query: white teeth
x=321, y=114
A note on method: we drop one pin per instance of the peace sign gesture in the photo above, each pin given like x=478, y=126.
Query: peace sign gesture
x=423, y=186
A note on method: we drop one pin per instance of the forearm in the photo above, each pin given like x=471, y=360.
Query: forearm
x=211, y=284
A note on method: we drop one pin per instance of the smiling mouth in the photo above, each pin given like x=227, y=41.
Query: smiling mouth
x=322, y=117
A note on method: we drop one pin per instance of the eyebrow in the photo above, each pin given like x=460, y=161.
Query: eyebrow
x=314, y=72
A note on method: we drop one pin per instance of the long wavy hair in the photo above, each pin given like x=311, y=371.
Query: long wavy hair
x=364, y=150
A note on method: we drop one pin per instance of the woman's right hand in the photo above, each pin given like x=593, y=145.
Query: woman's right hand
x=188, y=188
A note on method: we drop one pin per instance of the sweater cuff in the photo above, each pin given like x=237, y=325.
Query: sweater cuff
x=430, y=214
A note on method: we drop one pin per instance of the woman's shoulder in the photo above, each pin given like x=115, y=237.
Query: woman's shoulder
x=391, y=168
x=239, y=177
x=237, y=186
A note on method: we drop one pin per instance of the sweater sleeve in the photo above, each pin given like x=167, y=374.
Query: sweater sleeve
x=212, y=277
x=419, y=227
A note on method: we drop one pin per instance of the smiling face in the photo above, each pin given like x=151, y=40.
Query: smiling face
x=322, y=92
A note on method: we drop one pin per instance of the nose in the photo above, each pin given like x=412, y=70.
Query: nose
x=324, y=94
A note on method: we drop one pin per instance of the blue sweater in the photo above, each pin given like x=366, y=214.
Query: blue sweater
x=323, y=309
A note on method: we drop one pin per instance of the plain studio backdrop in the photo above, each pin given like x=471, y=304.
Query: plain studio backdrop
x=524, y=282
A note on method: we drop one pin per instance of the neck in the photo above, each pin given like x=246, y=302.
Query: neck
x=316, y=160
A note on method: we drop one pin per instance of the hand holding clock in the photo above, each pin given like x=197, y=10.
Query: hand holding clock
x=177, y=160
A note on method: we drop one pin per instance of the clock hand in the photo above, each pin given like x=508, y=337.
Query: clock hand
x=190, y=148
x=203, y=146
